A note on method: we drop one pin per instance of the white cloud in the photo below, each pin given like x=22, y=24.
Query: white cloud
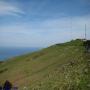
x=9, y=9
x=44, y=33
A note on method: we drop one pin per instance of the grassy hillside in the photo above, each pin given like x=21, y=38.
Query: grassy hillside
x=59, y=67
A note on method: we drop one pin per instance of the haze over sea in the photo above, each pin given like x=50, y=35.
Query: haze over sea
x=9, y=52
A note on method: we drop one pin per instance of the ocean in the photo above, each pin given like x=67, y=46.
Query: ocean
x=9, y=52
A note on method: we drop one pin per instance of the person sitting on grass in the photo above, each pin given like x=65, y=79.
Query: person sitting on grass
x=7, y=85
x=0, y=87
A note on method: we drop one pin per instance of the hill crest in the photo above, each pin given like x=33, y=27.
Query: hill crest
x=58, y=67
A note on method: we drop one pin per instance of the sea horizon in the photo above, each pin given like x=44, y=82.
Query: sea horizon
x=10, y=52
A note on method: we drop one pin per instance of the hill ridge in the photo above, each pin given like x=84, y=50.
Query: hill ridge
x=58, y=67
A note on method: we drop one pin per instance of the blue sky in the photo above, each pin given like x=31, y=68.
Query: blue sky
x=41, y=23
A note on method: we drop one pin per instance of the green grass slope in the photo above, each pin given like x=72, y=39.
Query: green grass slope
x=59, y=67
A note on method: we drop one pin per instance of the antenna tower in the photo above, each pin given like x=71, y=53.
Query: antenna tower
x=85, y=32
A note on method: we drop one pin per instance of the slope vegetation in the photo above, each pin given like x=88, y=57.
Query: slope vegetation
x=59, y=67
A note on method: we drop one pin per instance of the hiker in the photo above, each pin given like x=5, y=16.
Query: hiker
x=7, y=85
x=0, y=87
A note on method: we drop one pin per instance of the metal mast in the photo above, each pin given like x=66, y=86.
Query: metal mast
x=85, y=32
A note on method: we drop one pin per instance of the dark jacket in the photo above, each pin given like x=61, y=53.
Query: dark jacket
x=7, y=85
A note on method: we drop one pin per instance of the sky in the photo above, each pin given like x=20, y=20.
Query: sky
x=41, y=23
